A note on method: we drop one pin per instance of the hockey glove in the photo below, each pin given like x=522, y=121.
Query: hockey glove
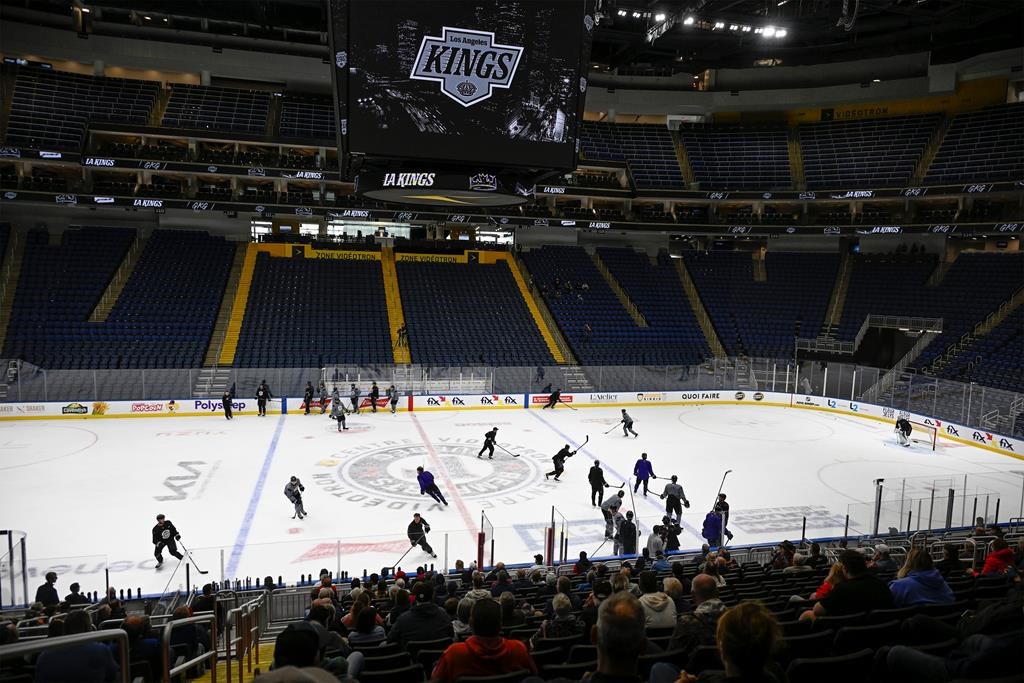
x=686, y=503
x=177, y=537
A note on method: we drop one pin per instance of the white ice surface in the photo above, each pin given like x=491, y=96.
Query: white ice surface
x=87, y=492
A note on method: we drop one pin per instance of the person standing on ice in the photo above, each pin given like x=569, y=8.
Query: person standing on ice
x=338, y=410
x=553, y=399
x=427, y=485
x=323, y=397
x=262, y=394
x=307, y=397
x=225, y=401
x=164, y=536
x=392, y=394
x=597, y=484
x=627, y=424
x=354, y=397
x=675, y=494
x=293, y=491
x=643, y=471
x=609, y=508
x=374, y=396
x=903, y=430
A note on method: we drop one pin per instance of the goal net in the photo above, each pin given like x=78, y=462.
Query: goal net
x=924, y=434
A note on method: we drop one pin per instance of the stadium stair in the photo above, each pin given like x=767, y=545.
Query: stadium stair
x=931, y=150
x=117, y=283
x=220, y=328
x=684, y=162
x=620, y=293
x=714, y=343
x=273, y=116
x=545, y=314
x=6, y=100
x=940, y=270
x=796, y=160
x=9, y=279
x=760, y=270
x=838, y=300
x=230, y=345
x=991, y=321
x=239, y=673
x=396, y=316
x=156, y=115
x=542, y=325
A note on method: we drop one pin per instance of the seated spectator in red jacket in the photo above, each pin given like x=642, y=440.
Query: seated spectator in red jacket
x=999, y=559
x=87, y=663
x=486, y=652
x=918, y=582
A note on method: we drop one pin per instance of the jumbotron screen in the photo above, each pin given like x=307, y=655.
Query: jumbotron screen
x=476, y=81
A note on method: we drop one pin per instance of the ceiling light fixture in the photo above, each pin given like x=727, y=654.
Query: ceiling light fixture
x=733, y=27
x=688, y=21
x=636, y=15
x=746, y=29
x=622, y=12
x=780, y=33
x=660, y=16
x=719, y=24
x=768, y=31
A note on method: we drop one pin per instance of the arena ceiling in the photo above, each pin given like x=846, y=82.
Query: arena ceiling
x=656, y=37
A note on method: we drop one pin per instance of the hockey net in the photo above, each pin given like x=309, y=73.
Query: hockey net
x=925, y=434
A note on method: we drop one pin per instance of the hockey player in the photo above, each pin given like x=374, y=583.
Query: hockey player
x=353, y=396
x=307, y=397
x=164, y=536
x=293, y=491
x=597, y=484
x=674, y=492
x=625, y=541
x=903, y=430
x=643, y=471
x=337, y=409
x=261, y=399
x=553, y=399
x=559, y=460
x=225, y=401
x=392, y=395
x=427, y=485
x=608, y=509
x=627, y=424
x=722, y=510
x=417, y=532
x=374, y=395
x=323, y=397
x=670, y=531
x=489, y=441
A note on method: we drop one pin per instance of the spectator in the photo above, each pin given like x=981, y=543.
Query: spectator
x=142, y=645
x=655, y=544
x=207, y=602
x=510, y=616
x=881, y=562
x=999, y=558
x=661, y=564
x=588, y=614
x=76, y=598
x=460, y=625
x=478, y=592
x=659, y=610
x=563, y=586
x=440, y=589
x=320, y=616
x=699, y=627
x=423, y=621
x=325, y=582
x=485, y=653
x=522, y=583
x=47, y=593
x=620, y=582
x=918, y=582
x=582, y=565
x=492, y=575
x=538, y=563
x=711, y=569
x=298, y=657
x=673, y=588
x=747, y=637
x=563, y=625
x=860, y=592
x=799, y=565
x=55, y=627
x=367, y=630
x=950, y=562
x=193, y=636
x=1018, y=555
x=400, y=605
x=816, y=560
x=502, y=585
x=979, y=527
x=86, y=663
x=783, y=556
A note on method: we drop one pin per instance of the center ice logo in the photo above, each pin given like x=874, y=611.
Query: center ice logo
x=468, y=64
x=384, y=474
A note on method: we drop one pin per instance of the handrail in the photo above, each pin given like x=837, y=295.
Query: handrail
x=165, y=647
x=31, y=647
x=247, y=621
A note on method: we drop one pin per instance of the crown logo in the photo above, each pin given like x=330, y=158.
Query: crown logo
x=483, y=182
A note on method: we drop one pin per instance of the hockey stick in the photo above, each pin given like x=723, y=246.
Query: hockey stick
x=585, y=442
x=567, y=405
x=614, y=427
x=192, y=560
x=594, y=554
x=514, y=455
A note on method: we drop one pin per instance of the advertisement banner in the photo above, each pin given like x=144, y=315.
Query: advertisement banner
x=468, y=402
x=190, y=407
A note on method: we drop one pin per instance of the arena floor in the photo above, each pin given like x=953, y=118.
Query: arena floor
x=87, y=492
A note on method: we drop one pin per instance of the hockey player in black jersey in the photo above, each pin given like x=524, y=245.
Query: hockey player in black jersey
x=559, y=460
x=307, y=397
x=417, y=532
x=489, y=440
x=165, y=536
x=597, y=484
x=553, y=399
x=374, y=395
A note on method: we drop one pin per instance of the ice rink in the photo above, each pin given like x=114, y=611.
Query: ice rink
x=87, y=492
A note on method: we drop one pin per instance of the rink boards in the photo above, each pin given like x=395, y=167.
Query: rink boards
x=431, y=403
